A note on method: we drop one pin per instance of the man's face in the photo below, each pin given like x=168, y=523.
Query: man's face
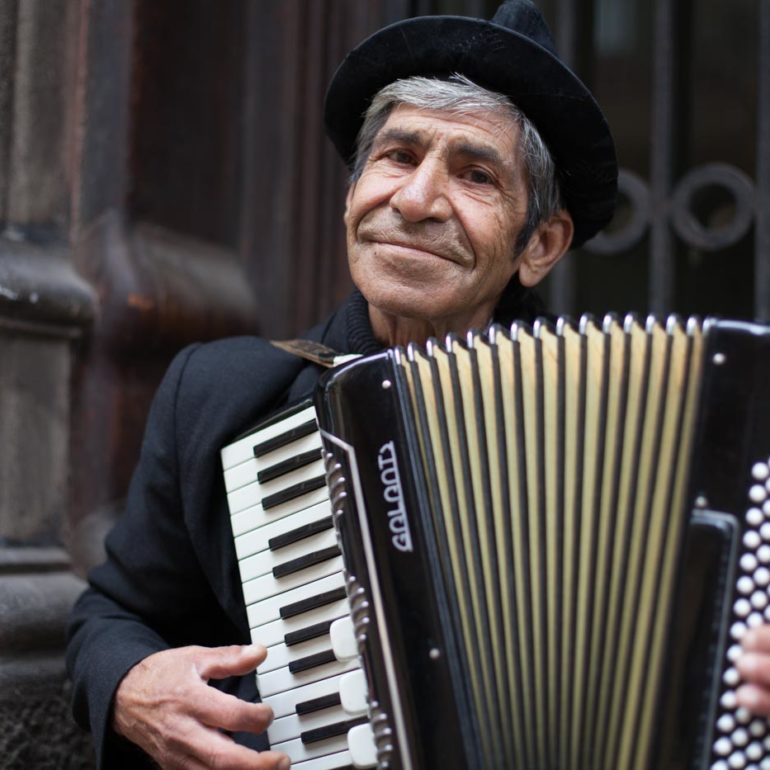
x=433, y=219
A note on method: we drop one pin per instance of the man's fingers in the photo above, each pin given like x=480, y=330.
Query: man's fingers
x=754, y=698
x=214, y=751
x=754, y=668
x=228, y=712
x=235, y=660
x=757, y=639
x=166, y=707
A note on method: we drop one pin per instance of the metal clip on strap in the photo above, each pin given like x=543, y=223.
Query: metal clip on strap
x=315, y=352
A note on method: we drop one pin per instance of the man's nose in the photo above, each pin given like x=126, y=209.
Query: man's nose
x=423, y=194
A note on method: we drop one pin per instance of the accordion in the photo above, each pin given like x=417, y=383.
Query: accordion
x=548, y=543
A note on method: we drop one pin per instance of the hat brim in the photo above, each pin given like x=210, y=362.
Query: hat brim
x=502, y=60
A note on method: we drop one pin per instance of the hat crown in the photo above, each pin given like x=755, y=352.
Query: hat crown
x=524, y=18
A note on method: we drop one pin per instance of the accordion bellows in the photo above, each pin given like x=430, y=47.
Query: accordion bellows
x=518, y=512
x=574, y=473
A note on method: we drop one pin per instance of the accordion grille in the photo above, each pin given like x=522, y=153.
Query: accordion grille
x=556, y=463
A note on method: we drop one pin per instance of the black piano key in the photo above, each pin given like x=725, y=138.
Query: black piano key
x=330, y=731
x=312, y=603
x=312, y=661
x=305, y=561
x=300, y=533
x=295, y=490
x=305, y=634
x=305, y=429
x=318, y=704
x=287, y=466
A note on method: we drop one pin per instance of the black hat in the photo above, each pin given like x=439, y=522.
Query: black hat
x=513, y=55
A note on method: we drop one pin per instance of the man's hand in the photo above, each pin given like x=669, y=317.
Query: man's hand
x=165, y=706
x=754, y=668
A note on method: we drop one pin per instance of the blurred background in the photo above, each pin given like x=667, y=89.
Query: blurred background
x=164, y=178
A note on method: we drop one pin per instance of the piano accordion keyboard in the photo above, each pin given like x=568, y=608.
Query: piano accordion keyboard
x=293, y=585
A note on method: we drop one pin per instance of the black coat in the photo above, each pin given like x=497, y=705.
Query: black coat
x=171, y=575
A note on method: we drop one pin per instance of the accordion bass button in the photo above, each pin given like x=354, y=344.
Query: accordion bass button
x=723, y=747
x=353, y=696
x=754, y=751
x=363, y=752
x=343, y=639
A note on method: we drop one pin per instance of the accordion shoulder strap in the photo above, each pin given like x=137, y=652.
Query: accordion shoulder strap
x=315, y=351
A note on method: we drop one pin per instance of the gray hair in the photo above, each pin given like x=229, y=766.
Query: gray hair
x=462, y=96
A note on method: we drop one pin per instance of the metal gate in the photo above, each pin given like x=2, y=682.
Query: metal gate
x=686, y=87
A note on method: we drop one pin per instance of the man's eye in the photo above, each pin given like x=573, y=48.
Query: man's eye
x=477, y=176
x=400, y=156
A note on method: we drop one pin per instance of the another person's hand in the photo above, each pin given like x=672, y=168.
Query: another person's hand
x=754, y=668
x=164, y=705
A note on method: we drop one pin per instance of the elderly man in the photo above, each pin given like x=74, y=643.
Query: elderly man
x=481, y=159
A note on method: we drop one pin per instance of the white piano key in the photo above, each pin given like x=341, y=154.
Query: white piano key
x=282, y=679
x=291, y=726
x=250, y=496
x=263, y=562
x=247, y=496
x=255, y=518
x=305, y=473
x=242, y=449
x=254, y=493
x=298, y=504
x=256, y=542
x=328, y=762
x=240, y=475
x=238, y=452
x=297, y=447
x=349, y=687
x=246, y=471
x=270, y=632
x=280, y=655
x=353, y=693
x=264, y=587
x=285, y=702
x=252, y=540
x=256, y=539
x=298, y=751
x=264, y=611
x=343, y=639
x=363, y=750
x=245, y=520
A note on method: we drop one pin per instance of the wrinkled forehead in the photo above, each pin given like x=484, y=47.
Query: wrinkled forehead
x=491, y=135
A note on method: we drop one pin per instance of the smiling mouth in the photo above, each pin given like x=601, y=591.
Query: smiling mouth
x=417, y=247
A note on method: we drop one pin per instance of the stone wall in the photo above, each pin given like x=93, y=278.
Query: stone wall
x=37, y=732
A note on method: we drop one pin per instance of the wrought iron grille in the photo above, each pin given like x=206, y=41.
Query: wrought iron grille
x=692, y=234
x=699, y=217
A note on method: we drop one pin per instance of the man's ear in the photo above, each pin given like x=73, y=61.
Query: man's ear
x=546, y=247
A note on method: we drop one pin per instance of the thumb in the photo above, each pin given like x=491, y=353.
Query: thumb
x=235, y=660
